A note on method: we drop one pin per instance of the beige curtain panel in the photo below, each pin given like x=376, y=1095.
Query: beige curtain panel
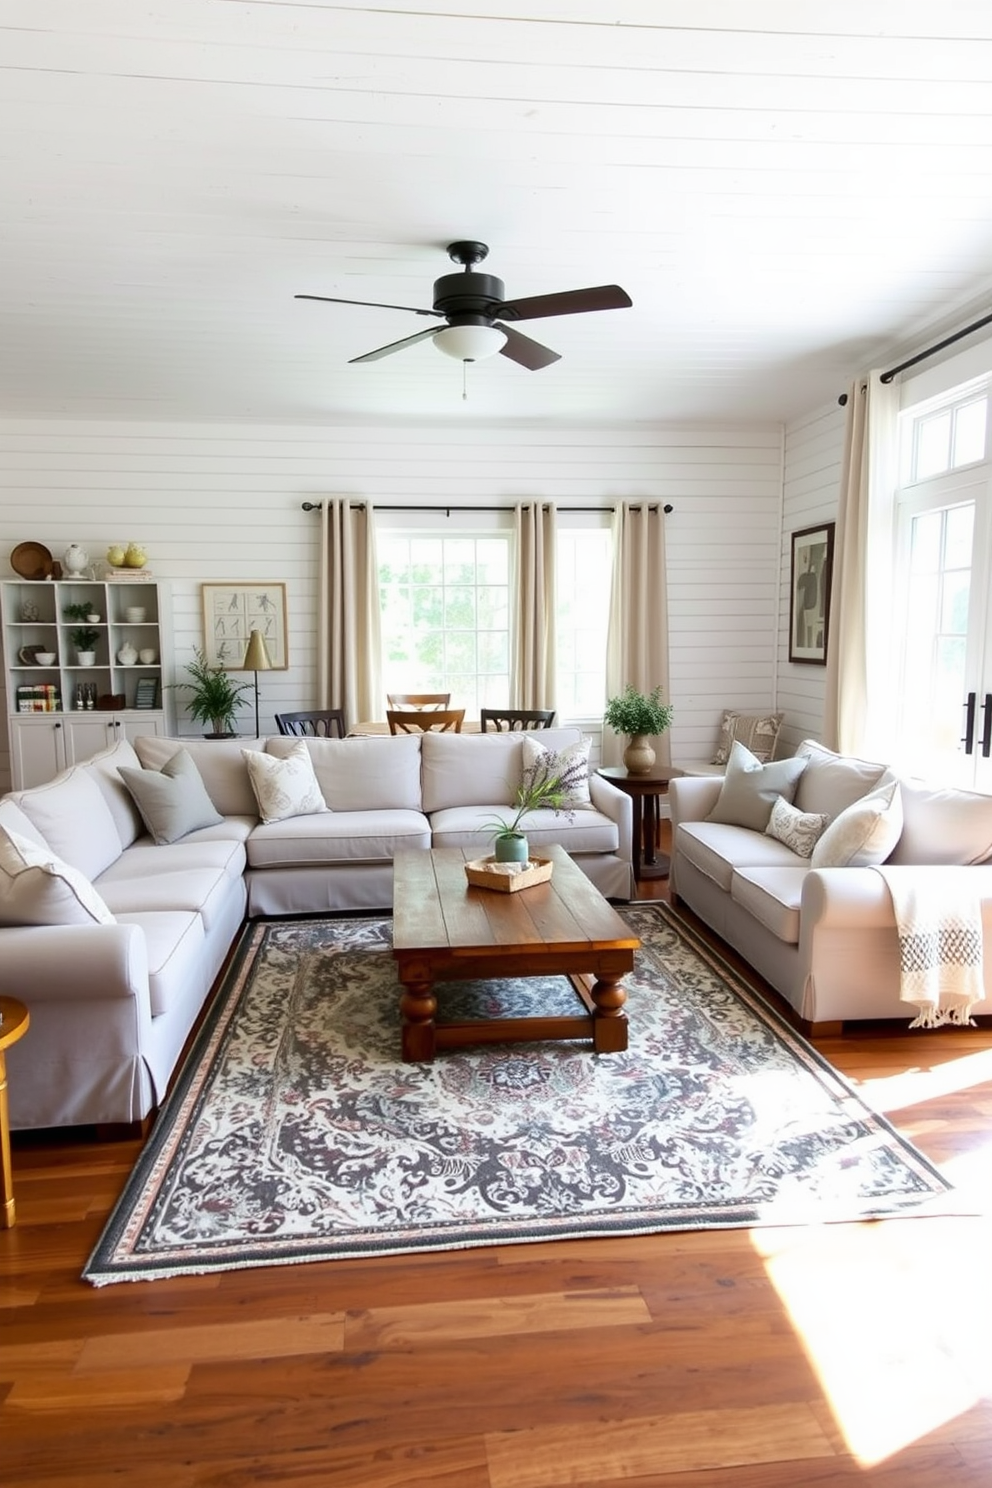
x=532, y=670
x=637, y=640
x=348, y=674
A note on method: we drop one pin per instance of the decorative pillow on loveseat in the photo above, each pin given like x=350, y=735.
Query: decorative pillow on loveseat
x=750, y=789
x=173, y=801
x=799, y=830
x=865, y=834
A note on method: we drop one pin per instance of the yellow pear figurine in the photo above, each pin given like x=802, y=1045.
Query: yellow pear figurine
x=115, y=555
x=135, y=556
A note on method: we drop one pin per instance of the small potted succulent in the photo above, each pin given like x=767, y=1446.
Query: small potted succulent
x=640, y=716
x=509, y=842
x=84, y=638
x=213, y=697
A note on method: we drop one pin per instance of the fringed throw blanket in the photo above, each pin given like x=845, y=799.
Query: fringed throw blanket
x=939, y=922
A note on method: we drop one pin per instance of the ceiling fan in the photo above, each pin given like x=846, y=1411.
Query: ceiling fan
x=475, y=309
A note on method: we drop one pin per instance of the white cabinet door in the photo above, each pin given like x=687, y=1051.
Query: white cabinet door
x=86, y=734
x=37, y=747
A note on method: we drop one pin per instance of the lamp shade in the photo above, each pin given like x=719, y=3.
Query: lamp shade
x=257, y=658
x=470, y=343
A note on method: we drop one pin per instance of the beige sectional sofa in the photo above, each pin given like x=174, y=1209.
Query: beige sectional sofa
x=116, y=966
x=825, y=937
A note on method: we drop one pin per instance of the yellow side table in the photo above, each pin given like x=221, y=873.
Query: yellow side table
x=16, y=1020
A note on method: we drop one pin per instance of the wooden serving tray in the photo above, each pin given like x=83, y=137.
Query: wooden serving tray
x=485, y=873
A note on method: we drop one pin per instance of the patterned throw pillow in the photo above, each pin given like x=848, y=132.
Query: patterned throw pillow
x=37, y=888
x=284, y=787
x=756, y=731
x=570, y=765
x=799, y=830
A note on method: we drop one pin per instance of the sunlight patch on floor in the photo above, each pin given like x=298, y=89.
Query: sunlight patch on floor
x=910, y=1087
x=900, y=1346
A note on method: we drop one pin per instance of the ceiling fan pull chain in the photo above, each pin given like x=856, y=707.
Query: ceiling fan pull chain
x=464, y=382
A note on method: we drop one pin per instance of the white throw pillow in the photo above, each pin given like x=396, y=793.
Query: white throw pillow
x=284, y=787
x=570, y=765
x=863, y=835
x=750, y=789
x=37, y=888
x=173, y=801
x=799, y=830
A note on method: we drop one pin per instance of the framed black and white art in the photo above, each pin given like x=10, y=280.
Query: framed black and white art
x=809, y=608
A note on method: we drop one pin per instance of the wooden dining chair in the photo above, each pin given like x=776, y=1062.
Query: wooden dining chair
x=400, y=700
x=317, y=723
x=507, y=720
x=422, y=721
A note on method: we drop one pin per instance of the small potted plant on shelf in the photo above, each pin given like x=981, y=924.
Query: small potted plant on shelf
x=84, y=638
x=213, y=697
x=640, y=716
x=83, y=611
x=509, y=842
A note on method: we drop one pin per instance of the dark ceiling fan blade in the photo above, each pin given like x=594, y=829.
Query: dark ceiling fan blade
x=528, y=353
x=384, y=351
x=373, y=304
x=569, y=302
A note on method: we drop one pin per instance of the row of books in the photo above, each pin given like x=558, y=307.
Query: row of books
x=38, y=697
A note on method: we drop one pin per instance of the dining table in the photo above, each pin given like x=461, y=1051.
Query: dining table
x=377, y=726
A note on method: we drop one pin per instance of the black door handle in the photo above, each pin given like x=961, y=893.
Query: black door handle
x=969, y=724
x=987, y=726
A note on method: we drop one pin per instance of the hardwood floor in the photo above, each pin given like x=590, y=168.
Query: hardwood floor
x=824, y=1355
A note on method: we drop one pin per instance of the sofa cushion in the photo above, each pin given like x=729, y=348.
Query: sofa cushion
x=865, y=834
x=173, y=801
x=174, y=950
x=750, y=789
x=37, y=888
x=284, y=787
x=366, y=774
x=756, y=731
x=832, y=782
x=337, y=837
x=13, y=817
x=143, y=859
x=471, y=826
x=73, y=817
x=104, y=769
x=799, y=830
x=220, y=763
x=943, y=826
x=480, y=769
x=569, y=766
x=716, y=849
x=773, y=896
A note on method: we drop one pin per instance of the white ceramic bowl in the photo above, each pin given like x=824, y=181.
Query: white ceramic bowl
x=148, y=657
x=135, y=615
x=44, y=658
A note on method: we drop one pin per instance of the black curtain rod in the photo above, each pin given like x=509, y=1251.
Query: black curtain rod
x=921, y=356
x=309, y=506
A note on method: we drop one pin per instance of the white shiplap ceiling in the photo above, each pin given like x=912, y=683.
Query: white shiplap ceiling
x=786, y=189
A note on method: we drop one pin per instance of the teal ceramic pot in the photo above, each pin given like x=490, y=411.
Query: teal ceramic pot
x=511, y=849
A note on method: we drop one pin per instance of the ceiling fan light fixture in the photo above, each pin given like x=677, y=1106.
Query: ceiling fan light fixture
x=470, y=343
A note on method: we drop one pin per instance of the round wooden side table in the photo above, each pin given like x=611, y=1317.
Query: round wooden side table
x=645, y=791
x=16, y=1020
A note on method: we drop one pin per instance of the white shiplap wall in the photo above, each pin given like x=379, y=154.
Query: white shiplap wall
x=814, y=448
x=215, y=502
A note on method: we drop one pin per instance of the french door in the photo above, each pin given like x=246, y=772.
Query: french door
x=944, y=692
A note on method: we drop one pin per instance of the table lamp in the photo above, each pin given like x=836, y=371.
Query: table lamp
x=256, y=660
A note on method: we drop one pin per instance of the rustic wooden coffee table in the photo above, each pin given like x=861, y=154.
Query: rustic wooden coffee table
x=446, y=929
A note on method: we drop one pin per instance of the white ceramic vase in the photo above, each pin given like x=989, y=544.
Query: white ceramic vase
x=75, y=559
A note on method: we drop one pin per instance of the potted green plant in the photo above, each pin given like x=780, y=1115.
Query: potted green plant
x=84, y=638
x=214, y=698
x=640, y=716
x=81, y=611
x=509, y=842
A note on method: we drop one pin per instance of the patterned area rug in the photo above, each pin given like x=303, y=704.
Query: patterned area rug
x=296, y=1133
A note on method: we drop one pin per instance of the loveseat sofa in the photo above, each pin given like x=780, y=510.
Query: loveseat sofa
x=115, y=951
x=815, y=918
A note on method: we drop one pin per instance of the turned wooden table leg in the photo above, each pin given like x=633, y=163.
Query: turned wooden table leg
x=417, y=1008
x=609, y=1035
